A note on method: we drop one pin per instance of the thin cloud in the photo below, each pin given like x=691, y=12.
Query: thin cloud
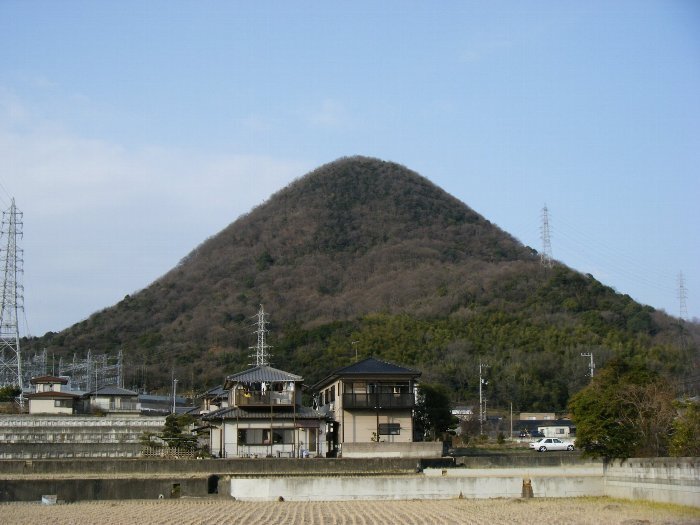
x=331, y=114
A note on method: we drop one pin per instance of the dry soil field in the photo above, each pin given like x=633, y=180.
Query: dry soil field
x=594, y=511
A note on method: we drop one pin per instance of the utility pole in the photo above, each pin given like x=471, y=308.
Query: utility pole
x=174, y=393
x=11, y=299
x=482, y=401
x=591, y=365
x=546, y=255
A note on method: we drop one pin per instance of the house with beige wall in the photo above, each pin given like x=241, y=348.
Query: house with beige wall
x=49, y=398
x=371, y=400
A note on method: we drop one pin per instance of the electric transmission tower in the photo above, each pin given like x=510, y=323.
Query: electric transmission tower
x=682, y=296
x=11, y=298
x=262, y=357
x=546, y=254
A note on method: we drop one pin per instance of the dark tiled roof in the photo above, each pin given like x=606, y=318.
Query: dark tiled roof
x=262, y=413
x=260, y=374
x=113, y=390
x=374, y=366
x=215, y=392
x=369, y=367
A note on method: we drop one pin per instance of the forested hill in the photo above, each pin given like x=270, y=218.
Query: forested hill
x=364, y=257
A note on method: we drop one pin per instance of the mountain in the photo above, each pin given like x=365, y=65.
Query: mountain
x=365, y=257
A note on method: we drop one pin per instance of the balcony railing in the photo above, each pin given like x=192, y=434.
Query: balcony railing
x=378, y=400
x=122, y=406
x=266, y=399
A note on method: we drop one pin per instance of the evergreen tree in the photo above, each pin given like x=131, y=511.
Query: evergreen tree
x=626, y=411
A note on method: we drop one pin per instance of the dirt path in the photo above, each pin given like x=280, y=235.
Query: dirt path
x=593, y=511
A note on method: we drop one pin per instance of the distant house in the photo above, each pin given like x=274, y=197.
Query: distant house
x=537, y=416
x=560, y=428
x=112, y=399
x=264, y=417
x=463, y=413
x=214, y=399
x=370, y=400
x=49, y=398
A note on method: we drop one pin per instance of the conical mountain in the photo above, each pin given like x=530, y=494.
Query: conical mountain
x=365, y=257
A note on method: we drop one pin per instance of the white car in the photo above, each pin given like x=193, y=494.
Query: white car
x=545, y=444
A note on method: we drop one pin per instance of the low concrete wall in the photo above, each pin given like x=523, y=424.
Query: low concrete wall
x=431, y=484
x=667, y=480
x=257, y=467
x=393, y=450
x=87, y=489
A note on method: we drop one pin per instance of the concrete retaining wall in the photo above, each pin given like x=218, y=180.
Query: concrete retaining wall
x=45, y=437
x=440, y=484
x=667, y=480
x=393, y=450
x=257, y=467
x=674, y=480
x=70, y=490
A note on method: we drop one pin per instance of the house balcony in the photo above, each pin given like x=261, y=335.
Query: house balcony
x=378, y=401
x=260, y=399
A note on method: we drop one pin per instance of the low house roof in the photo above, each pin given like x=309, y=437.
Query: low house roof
x=260, y=374
x=217, y=391
x=369, y=367
x=52, y=395
x=48, y=379
x=236, y=413
x=113, y=390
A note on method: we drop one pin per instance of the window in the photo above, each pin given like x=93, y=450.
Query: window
x=63, y=403
x=261, y=436
x=389, y=429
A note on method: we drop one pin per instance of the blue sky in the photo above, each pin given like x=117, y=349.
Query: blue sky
x=132, y=131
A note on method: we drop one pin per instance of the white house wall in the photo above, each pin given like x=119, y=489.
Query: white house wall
x=232, y=448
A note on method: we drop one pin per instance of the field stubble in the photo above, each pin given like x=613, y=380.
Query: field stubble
x=592, y=511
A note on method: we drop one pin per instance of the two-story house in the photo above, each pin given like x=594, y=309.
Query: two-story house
x=49, y=398
x=265, y=417
x=370, y=400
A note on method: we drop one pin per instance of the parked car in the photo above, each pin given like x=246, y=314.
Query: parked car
x=545, y=444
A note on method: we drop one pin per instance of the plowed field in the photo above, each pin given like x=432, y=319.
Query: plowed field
x=594, y=511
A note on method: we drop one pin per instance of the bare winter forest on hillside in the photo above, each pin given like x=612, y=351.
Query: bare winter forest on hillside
x=365, y=257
